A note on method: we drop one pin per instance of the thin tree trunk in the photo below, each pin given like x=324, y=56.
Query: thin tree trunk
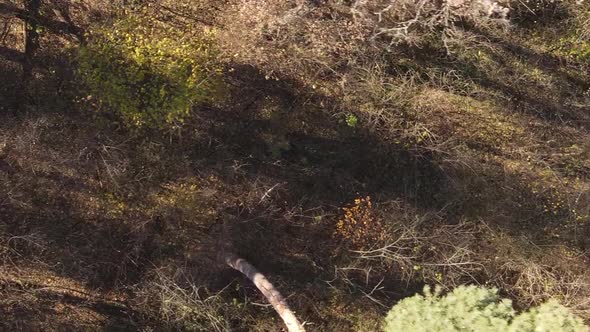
x=273, y=296
x=31, y=37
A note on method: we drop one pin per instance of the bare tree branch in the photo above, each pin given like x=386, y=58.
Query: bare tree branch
x=267, y=289
x=273, y=296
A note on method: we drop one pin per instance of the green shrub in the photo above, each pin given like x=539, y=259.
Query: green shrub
x=470, y=308
x=149, y=72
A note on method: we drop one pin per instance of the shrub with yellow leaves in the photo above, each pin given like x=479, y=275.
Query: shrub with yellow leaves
x=360, y=226
x=148, y=71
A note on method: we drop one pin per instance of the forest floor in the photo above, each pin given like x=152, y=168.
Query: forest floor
x=349, y=175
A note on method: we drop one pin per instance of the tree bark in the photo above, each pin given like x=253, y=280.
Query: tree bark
x=31, y=37
x=273, y=296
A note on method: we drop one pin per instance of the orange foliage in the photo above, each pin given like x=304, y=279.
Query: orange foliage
x=359, y=225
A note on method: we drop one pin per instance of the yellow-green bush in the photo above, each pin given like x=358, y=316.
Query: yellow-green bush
x=150, y=72
x=471, y=308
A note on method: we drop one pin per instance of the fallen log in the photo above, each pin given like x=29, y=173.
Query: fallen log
x=273, y=296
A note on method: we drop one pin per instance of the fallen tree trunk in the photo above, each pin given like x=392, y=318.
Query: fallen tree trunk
x=273, y=296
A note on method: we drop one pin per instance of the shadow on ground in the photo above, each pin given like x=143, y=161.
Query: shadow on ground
x=82, y=198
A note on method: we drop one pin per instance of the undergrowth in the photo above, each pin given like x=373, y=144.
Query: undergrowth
x=350, y=170
x=150, y=72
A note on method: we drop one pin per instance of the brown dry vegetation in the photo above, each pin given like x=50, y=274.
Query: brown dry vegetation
x=350, y=170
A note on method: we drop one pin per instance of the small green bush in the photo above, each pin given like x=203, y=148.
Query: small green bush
x=471, y=308
x=148, y=71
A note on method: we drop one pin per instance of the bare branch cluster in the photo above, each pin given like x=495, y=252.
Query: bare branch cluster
x=395, y=21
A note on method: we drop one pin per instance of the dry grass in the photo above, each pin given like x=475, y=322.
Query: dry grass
x=188, y=307
x=476, y=165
